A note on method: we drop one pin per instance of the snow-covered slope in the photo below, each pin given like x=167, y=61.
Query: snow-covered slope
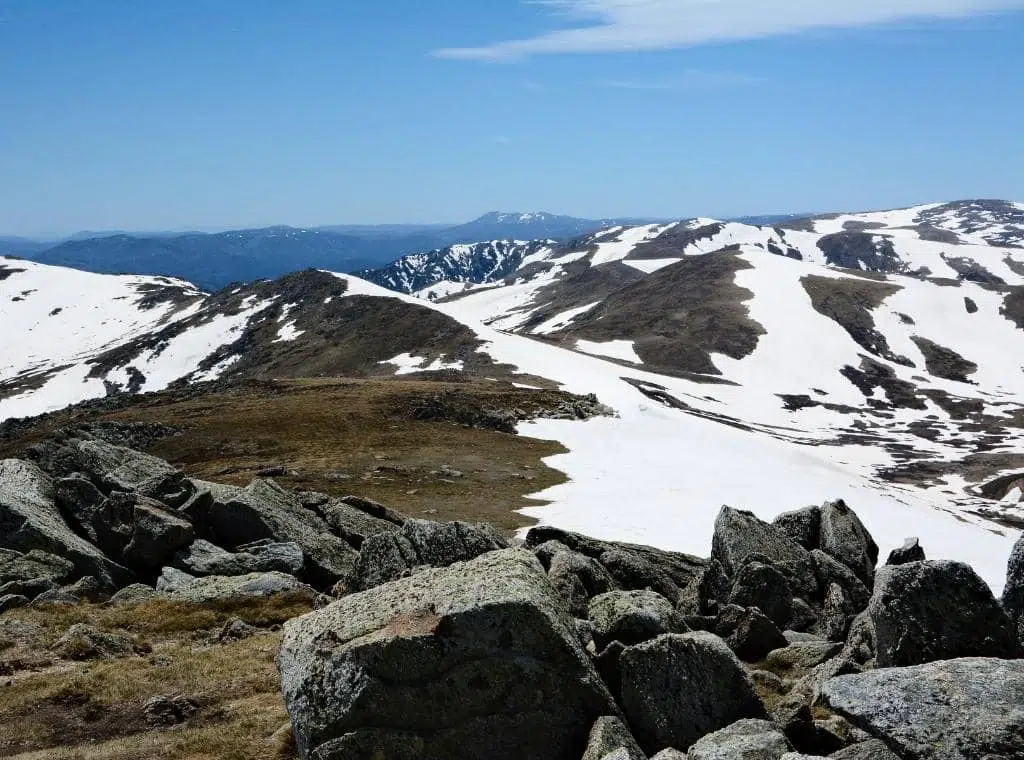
x=763, y=367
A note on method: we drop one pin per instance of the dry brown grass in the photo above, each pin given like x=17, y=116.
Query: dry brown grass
x=54, y=708
x=352, y=437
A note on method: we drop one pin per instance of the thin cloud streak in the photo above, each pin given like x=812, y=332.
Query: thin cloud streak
x=689, y=81
x=631, y=25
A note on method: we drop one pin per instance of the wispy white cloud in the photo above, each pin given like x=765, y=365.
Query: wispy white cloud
x=690, y=80
x=597, y=26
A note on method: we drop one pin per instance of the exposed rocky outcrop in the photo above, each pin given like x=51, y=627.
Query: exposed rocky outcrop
x=962, y=709
x=632, y=617
x=936, y=610
x=477, y=660
x=678, y=688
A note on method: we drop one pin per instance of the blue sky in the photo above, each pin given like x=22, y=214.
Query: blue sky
x=131, y=114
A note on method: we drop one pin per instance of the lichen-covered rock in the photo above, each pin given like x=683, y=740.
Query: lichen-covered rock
x=231, y=517
x=707, y=592
x=29, y=519
x=136, y=593
x=213, y=588
x=476, y=660
x=634, y=567
x=1013, y=591
x=84, y=642
x=680, y=687
x=802, y=525
x=936, y=610
x=578, y=578
x=32, y=573
x=800, y=657
x=389, y=556
x=353, y=524
x=911, y=551
x=610, y=735
x=740, y=537
x=844, y=537
x=632, y=617
x=155, y=536
x=963, y=709
x=203, y=558
x=748, y=632
x=762, y=586
x=743, y=740
x=869, y=750
x=12, y=602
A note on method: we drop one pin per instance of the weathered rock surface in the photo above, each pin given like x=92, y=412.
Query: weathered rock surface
x=936, y=610
x=419, y=544
x=84, y=642
x=136, y=593
x=802, y=656
x=211, y=588
x=740, y=537
x=203, y=558
x=964, y=709
x=748, y=632
x=263, y=510
x=869, y=750
x=844, y=537
x=32, y=573
x=610, y=735
x=578, y=578
x=802, y=525
x=744, y=740
x=707, y=592
x=1013, y=591
x=911, y=551
x=29, y=519
x=678, y=688
x=477, y=660
x=632, y=617
x=354, y=524
x=762, y=586
x=634, y=567
x=12, y=602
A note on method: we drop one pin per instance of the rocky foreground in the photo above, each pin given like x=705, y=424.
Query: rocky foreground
x=447, y=640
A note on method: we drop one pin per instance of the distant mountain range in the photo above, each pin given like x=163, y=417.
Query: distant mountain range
x=875, y=356
x=217, y=259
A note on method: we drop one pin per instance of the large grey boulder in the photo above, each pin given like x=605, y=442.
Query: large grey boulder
x=910, y=551
x=748, y=632
x=610, y=735
x=964, y=709
x=762, y=586
x=680, y=687
x=476, y=660
x=844, y=536
x=155, y=536
x=634, y=567
x=741, y=537
x=707, y=592
x=218, y=588
x=577, y=578
x=744, y=740
x=203, y=558
x=1013, y=591
x=632, y=617
x=353, y=524
x=802, y=525
x=111, y=467
x=29, y=519
x=936, y=610
x=32, y=573
x=231, y=516
x=419, y=544
x=84, y=642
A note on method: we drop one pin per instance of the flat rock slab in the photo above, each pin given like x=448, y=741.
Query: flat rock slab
x=476, y=660
x=964, y=709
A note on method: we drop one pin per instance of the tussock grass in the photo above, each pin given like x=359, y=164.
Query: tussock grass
x=55, y=708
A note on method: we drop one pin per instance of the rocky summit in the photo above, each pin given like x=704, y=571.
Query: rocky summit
x=378, y=635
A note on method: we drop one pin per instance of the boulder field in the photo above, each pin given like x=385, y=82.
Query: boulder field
x=449, y=640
